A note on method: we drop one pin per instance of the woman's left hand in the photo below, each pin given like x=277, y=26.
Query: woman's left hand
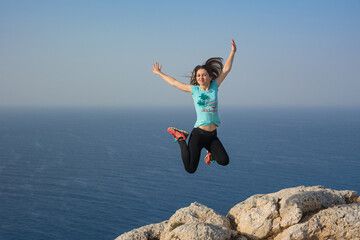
x=233, y=45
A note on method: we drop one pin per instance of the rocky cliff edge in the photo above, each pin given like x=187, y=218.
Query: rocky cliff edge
x=290, y=214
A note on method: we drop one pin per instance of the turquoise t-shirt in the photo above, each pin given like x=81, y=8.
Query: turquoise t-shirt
x=206, y=105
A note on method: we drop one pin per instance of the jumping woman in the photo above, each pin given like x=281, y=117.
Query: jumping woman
x=204, y=84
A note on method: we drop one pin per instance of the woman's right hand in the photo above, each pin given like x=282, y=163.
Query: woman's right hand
x=156, y=68
x=170, y=80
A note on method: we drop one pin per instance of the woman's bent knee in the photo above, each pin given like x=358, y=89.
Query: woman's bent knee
x=190, y=170
x=225, y=161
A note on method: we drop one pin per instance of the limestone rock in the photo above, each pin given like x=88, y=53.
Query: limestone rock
x=262, y=216
x=255, y=216
x=196, y=213
x=299, y=213
x=152, y=231
x=203, y=231
x=339, y=222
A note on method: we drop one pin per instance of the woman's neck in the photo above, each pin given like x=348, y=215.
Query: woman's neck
x=205, y=87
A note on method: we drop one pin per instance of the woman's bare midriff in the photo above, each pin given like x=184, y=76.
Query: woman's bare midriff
x=209, y=128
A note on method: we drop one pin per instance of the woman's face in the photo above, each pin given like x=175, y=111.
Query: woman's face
x=203, y=77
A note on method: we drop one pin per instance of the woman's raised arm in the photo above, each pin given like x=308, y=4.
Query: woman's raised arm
x=228, y=64
x=170, y=80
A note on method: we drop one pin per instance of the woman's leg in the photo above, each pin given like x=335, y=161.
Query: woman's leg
x=218, y=151
x=190, y=153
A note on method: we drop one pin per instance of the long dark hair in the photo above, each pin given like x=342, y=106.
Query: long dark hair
x=213, y=66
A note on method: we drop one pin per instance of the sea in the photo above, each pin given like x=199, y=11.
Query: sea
x=95, y=173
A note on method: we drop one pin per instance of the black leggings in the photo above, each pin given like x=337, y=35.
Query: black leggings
x=199, y=139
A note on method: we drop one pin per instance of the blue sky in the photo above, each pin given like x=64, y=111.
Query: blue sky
x=100, y=53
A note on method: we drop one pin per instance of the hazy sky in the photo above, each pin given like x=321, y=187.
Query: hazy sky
x=100, y=53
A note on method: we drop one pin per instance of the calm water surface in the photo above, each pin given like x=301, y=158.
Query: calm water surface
x=95, y=174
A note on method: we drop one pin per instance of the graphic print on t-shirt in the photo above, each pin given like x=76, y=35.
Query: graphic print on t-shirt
x=206, y=103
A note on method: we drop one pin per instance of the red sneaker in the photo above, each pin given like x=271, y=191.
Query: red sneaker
x=209, y=158
x=177, y=133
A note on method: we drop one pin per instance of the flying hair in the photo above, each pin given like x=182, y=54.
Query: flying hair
x=213, y=66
